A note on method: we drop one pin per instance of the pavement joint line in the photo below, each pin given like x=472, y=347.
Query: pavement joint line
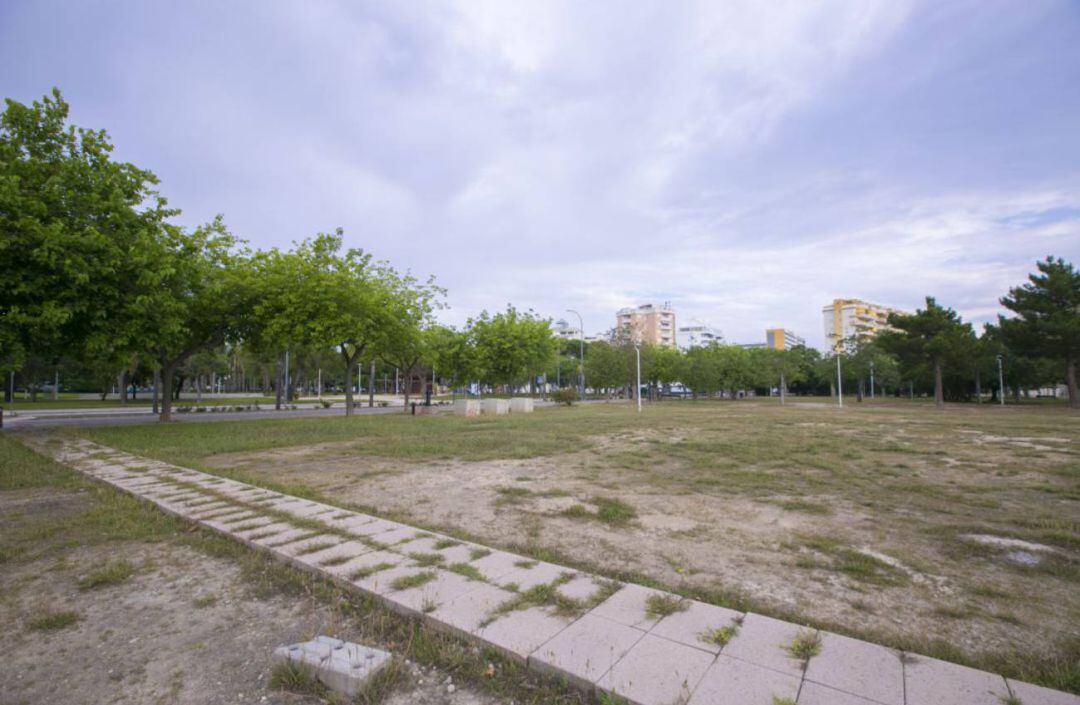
x=952, y=683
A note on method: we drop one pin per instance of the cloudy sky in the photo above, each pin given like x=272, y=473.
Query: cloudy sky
x=746, y=161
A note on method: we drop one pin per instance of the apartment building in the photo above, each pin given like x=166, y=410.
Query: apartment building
x=562, y=329
x=782, y=339
x=698, y=335
x=647, y=324
x=844, y=318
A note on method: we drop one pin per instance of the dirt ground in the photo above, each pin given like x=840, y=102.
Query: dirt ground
x=895, y=526
x=185, y=628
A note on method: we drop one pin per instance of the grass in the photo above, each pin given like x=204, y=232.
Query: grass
x=368, y=571
x=663, y=605
x=111, y=574
x=805, y=646
x=52, y=621
x=721, y=636
x=900, y=479
x=204, y=601
x=407, y=582
x=427, y=560
x=467, y=570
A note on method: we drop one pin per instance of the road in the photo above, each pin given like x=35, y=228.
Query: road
x=130, y=417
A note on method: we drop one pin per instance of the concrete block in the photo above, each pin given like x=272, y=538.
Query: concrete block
x=285, y=537
x=465, y=613
x=496, y=407
x=294, y=549
x=343, y=667
x=497, y=564
x=688, y=626
x=266, y=529
x=379, y=583
x=518, y=634
x=396, y=536
x=929, y=681
x=374, y=528
x=581, y=588
x=586, y=650
x=1037, y=695
x=656, y=670
x=763, y=641
x=860, y=668
x=730, y=681
x=427, y=597
x=815, y=694
x=536, y=573
x=345, y=549
x=467, y=407
x=629, y=606
x=521, y=405
x=370, y=559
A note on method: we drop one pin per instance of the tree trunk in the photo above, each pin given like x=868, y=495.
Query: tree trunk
x=1070, y=382
x=279, y=380
x=157, y=389
x=859, y=390
x=198, y=389
x=122, y=383
x=350, y=360
x=166, y=392
x=408, y=387
x=939, y=392
x=978, y=387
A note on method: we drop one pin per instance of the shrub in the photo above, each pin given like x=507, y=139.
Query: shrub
x=565, y=396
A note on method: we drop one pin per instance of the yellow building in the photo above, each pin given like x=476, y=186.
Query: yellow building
x=844, y=318
x=647, y=324
x=782, y=339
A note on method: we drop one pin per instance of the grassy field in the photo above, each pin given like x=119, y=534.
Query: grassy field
x=83, y=560
x=71, y=402
x=952, y=533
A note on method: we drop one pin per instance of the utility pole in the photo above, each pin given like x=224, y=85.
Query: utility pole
x=1001, y=381
x=839, y=383
x=581, y=350
x=637, y=390
x=781, y=387
x=319, y=383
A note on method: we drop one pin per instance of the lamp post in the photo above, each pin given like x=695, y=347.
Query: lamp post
x=1001, y=381
x=637, y=391
x=581, y=354
x=839, y=383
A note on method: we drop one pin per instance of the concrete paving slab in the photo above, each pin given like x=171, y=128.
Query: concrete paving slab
x=730, y=681
x=928, y=681
x=656, y=671
x=397, y=536
x=344, y=550
x=367, y=560
x=285, y=537
x=426, y=598
x=1036, y=695
x=629, y=607
x=529, y=574
x=520, y=633
x=465, y=613
x=380, y=583
x=763, y=641
x=815, y=694
x=581, y=588
x=374, y=528
x=858, y=667
x=698, y=619
x=273, y=529
x=497, y=564
x=297, y=548
x=586, y=650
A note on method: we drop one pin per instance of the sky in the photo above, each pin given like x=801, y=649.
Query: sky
x=746, y=161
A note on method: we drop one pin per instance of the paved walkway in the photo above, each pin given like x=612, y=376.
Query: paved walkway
x=646, y=646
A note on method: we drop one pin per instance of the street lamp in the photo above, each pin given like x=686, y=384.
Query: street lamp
x=637, y=392
x=839, y=382
x=1001, y=381
x=581, y=356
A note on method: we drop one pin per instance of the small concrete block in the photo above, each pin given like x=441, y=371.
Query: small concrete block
x=688, y=626
x=1037, y=695
x=287, y=536
x=343, y=667
x=858, y=667
x=929, y=681
x=519, y=633
x=763, y=641
x=366, y=560
x=521, y=405
x=296, y=548
x=427, y=597
x=730, y=681
x=538, y=574
x=264, y=530
x=497, y=564
x=629, y=606
x=815, y=694
x=586, y=650
x=346, y=549
x=656, y=670
x=496, y=407
x=465, y=613
x=467, y=407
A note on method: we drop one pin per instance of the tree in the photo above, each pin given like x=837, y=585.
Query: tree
x=510, y=346
x=932, y=338
x=782, y=368
x=605, y=366
x=74, y=225
x=664, y=366
x=1047, y=322
x=702, y=370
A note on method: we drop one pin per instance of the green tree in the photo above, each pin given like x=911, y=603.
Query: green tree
x=605, y=366
x=75, y=227
x=510, y=346
x=931, y=339
x=452, y=355
x=702, y=370
x=1047, y=322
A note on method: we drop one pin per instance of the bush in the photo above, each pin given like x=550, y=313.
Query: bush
x=325, y=404
x=565, y=396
